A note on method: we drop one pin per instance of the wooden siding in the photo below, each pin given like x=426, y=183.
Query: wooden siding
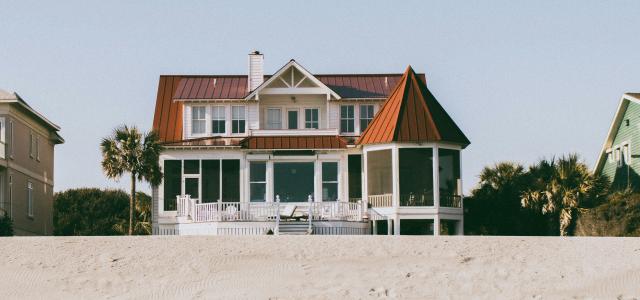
x=630, y=134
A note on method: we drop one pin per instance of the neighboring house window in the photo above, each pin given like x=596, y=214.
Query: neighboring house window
x=610, y=156
x=38, y=148
x=329, y=181
x=311, y=118
x=11, y=138
x=274, y=118
x=30, y=198
x=257, y=181
x=346, y=119
x=617, y=155
x=198, y=120
x=366, y=115
x=32, y=145
x=217, y=119
x=625, y=154
x=237, y=119
x=3, y=140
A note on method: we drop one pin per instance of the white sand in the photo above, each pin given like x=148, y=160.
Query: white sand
x=320, y=267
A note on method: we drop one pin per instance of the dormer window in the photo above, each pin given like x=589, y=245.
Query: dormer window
x=237, y=119
x=217, y=120
x=198, y=120
x=347, y=119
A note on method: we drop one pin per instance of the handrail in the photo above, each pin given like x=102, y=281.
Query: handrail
x=454, y=201
x=384, y=200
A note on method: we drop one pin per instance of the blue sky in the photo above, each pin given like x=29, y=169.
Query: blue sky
x=524, y=80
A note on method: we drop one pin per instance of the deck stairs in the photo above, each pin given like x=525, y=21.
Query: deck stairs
x=293, y=228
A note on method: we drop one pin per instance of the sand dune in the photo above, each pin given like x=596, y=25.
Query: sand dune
x=320, y=267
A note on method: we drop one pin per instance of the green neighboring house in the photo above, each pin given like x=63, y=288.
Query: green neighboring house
x=619, y=158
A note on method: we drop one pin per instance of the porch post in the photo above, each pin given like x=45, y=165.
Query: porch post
x=436, y=225
x=365, y=180
x=396, y=225
x=436, y=178
x=395, y=177
x=269, y=182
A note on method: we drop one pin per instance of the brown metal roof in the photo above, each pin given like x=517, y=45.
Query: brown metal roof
x=235, y=86
x=167, y=119
x=412, y=114
x=294, y=142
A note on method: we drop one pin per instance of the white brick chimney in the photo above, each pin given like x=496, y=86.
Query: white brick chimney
x=256, y=70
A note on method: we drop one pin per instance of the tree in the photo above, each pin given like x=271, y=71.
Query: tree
x=89, y=211
x=142, y=224
x=6, y=225
x=494, y=208
x=558, y=187
x=127, y=151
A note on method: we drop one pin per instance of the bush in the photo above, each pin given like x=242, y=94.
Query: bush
x=6, y=225
x=619, y=216
x=91, y=211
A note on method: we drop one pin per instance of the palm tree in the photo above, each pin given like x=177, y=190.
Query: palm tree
x=558, y=187
x=126, y=151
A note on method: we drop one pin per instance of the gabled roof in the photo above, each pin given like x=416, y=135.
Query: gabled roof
x=292, y=64
x=412, y=114
x=615, y=125
x=13, y=97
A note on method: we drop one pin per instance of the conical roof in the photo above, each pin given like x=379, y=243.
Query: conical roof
x=412, y=114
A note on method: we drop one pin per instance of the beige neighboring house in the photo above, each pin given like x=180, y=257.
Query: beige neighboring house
x=27, y=140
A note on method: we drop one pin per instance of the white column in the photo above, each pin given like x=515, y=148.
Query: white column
x=269, y=183
x=436, y=178
x=365, y=179
x=436, y=225
x=460, y=228
x=395, y=177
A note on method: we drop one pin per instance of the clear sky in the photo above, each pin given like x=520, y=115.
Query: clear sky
x=524, y=80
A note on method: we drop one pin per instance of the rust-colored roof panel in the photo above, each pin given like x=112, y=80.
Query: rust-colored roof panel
x=294, y=142
x=412, y=114
x=205, y=141
x=167, y=120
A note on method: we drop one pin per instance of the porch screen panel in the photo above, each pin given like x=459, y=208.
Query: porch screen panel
x=231, y=180
x=210, y=181
x=329, y=181
x=355, y=176
x=257, y=181
x=449, y=161
x=416, y=176
x=293, y=181
x=379, y=181
x=172, y=183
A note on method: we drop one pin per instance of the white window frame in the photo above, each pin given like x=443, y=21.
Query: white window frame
x=268, y=124
x=337, y=181
x=625, y=155
x=37, y=147
x=32, y=144
x=213, y=117
x=353, y=119
x=234, y=119
x=311, y=122
x=204, y=132
x=266, y=196
x=616, y=152
x=192, y=176
x=609, y=154
x=29, y=198
x=360, y=118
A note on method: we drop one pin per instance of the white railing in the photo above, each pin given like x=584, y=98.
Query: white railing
x=293, y=132
x=384, y=200
x=267, y=211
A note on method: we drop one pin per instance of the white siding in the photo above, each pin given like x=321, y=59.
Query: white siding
x=252, y=116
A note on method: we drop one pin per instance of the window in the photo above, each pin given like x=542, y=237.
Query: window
x=210, y=181
x=346, y=119
x=3, y=133
x=230, y=180
x=30, y=198
x=237, y=119
x=172, y=183
x=11, y=138
x=198, y=120
x=292, y=119
x=257, y=181
x=274, y=118
x=366, y=115
x=626, y=155
x=38, y=148
x=32, y=145
x=610, y=156
x=217, y=120
x=311, y=118
x=355, y=176
x=329, y=181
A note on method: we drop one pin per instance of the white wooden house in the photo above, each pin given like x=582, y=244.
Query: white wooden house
x=296, y=152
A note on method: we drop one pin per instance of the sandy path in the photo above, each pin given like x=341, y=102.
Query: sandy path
x=320, y=267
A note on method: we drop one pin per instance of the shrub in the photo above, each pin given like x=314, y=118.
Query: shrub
x=6, y=226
